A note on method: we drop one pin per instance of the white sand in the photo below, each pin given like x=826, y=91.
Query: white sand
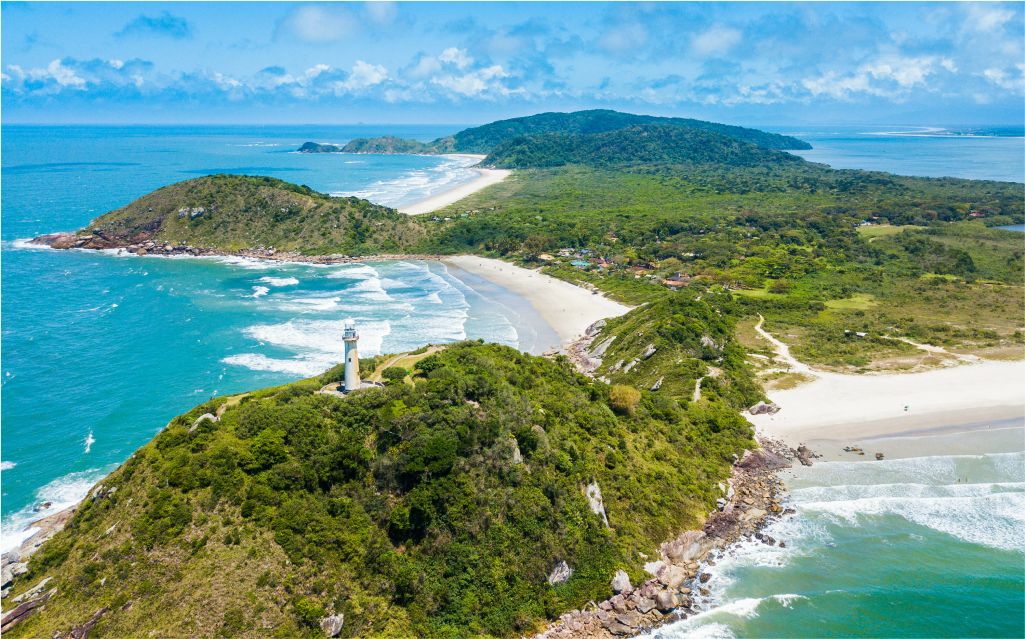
x=487, y=177
x=849, y=407
x=567, y=308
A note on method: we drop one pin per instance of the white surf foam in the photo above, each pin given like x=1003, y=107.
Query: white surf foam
x=260, y=290
x=361, y=271
x=63, y=492
x=6, y=465
x=279, y=281
x=298, y=366
x=89, y=441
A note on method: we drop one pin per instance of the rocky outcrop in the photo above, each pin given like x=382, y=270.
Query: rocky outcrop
x=82, y=632
x=15, y=561
x=761, y=408
x=201, y=419
x=621, y=583
x=560, y=574
x=24, y=611
x=593, y=493
x=332, y=625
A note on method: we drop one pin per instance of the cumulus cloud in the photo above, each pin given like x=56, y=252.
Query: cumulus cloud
x=319, y=24
x=364, y=75
x=165, y=25
x=456, y=56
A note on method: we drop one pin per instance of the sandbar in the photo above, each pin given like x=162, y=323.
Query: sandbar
x=567, y=308
x=486, y=178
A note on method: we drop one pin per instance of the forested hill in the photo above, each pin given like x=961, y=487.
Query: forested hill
x=484, y=139
x=232, y=212
x=641, y=144
x=432, y=508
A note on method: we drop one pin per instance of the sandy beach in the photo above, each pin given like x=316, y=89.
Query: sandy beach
x=834, y=407
x=487, y=178
x=567, y=308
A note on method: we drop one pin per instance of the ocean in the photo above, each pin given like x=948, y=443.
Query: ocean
x=100, y=350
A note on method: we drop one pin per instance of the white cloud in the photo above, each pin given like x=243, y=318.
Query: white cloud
x=364, y=75
x=117, y=64
x=949, y=65
x=320, y=23
x=715, y=41
x=425, y=67
x=907, y=72
x=381, y=12
x=457, y=57
x=987, y=18
x=1007, y=80
x=476, y=82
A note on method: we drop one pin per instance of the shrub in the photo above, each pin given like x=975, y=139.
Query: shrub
x=428, y=364
x=394, y=373
x=623, y=399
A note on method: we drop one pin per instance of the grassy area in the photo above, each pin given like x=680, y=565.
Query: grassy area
x=858, y=301
x=874, y=231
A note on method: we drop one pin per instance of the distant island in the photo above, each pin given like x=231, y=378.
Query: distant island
x=484, y=139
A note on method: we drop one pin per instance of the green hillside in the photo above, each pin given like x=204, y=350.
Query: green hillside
x=233, y=212
x=641, y=144
x=484, y=139
x=433, y=509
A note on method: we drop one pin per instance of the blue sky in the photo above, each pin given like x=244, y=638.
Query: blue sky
x=465, y=63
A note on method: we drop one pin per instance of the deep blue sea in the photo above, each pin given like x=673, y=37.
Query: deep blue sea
x=100, y=350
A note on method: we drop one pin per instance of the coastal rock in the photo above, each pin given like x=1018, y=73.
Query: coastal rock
x=6, y=576
x=631, y=619
x=33, y=592
x=332, y=626
x=22, y=612
x=560, y=574
x=761, y=408
x=705, y=577
x=621, y=583
x=763, y=460
x=672, y=577
x=665, y=601
x=879, y=456
x=689, y=546
x=648, y=351
x=619, y=629
x=657, y=385
x=752, y=513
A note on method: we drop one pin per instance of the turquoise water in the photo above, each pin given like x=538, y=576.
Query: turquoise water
x=100, y=350
x=897, y=548
x=1014, y=227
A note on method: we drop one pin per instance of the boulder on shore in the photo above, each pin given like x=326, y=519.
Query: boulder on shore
x=761, y=408
x=621, y=583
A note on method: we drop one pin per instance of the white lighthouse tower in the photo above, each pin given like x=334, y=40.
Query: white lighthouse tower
x=350, y=337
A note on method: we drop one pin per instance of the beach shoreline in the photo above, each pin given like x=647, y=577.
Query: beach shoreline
x=567, y=308
x=485, y=178
x=837, y=407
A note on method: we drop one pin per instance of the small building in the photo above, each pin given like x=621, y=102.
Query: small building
x=580, y=264
x=544, y=257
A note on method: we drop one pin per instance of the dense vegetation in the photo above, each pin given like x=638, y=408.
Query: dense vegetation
x=237, y=211
x=641, y=144
x=429, y=509
x=484, y=139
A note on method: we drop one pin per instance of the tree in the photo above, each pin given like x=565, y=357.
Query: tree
x=394, y=373
x=623, y=399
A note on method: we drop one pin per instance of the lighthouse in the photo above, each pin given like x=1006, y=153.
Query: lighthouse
x=350, y=337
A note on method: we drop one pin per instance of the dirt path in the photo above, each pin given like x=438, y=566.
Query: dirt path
x=783, y=351
x=413, y=359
